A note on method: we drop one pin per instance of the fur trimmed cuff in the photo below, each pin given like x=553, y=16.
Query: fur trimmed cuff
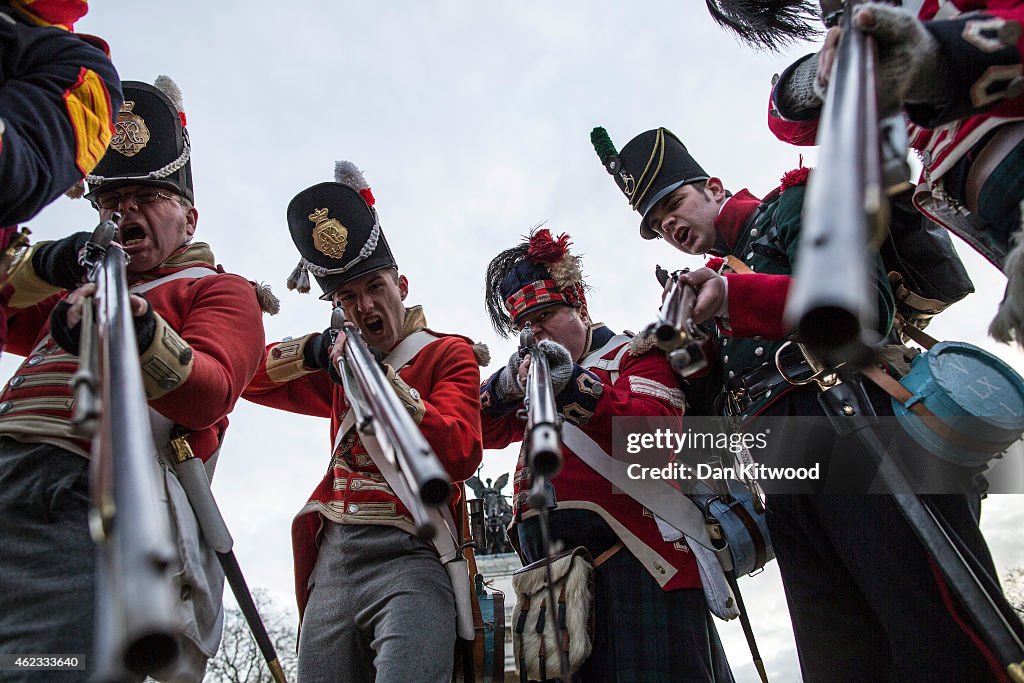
x=166, y=363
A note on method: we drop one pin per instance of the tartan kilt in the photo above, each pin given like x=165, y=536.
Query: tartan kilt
x=643, y=634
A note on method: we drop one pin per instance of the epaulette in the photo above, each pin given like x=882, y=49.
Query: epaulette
x=642, y=343
x=715, y=263
x=269, y=303
x=798, y=176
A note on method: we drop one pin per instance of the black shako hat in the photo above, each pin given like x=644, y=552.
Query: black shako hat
x=648, y=168
x=150, y=144
x=337, y=232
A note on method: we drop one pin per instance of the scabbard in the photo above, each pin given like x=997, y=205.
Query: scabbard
x=192, y=476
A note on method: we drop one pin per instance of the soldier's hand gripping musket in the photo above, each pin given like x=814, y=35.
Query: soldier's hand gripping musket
x=862, y=159
x=137, y=623
x=381, y=415
x=675, y=331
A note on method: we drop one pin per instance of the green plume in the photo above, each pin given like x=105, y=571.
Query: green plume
x=602, y=144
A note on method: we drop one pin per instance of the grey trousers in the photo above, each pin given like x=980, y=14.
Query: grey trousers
x=381, y=609
x=47, y=558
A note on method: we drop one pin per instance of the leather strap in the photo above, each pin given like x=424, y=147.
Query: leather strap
x=608, y=554
x=737, y=265
x=916, y=334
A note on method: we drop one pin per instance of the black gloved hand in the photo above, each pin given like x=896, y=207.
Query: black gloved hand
x=317, y=353
x=69, y=338
x=57, y=262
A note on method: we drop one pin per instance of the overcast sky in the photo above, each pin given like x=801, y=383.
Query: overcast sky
x=471, y=122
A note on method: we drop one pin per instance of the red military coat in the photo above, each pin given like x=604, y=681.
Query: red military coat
x=642, y=385
x=446, y=375
x=217, y=317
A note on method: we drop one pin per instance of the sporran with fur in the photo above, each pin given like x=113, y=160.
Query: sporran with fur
x=572, y=578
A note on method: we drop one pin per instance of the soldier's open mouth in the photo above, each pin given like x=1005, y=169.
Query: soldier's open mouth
x=375, y=325
x=132, y=234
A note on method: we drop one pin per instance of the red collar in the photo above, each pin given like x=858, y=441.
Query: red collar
x=734, y=215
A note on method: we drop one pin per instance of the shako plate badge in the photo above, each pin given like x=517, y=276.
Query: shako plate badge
x=330, y=237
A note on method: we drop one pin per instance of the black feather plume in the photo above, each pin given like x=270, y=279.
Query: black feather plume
x=500, y=266
x=768, y=24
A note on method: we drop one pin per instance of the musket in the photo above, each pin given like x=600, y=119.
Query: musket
x=674, y=331
x=978, y=592
x=543, y=437
x=543, y=454
x=380, y=414
x=137, y=624
x=845, y=213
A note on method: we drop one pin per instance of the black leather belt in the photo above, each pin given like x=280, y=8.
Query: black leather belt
x=756, y=383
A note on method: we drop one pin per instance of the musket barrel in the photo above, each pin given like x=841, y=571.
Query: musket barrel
x=427, y=477
x=831, y=302
x=543, y=439
x=138, y=544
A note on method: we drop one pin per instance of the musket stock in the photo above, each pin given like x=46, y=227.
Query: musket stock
x=137, y=625
x=831, y=302
x=380, y=414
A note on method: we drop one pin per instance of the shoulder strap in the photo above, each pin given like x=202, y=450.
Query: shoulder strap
x=673, y=507
x=194, y=272
x=399, y=357
x=656, y=495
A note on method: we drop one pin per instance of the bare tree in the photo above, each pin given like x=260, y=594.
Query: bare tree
x=239, y=659
x=1013, y=586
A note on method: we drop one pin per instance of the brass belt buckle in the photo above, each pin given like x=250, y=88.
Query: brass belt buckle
x=824, y=377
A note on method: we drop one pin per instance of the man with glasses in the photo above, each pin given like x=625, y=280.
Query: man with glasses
x=200, y=340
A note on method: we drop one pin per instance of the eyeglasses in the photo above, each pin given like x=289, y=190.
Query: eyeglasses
x=112, y=201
